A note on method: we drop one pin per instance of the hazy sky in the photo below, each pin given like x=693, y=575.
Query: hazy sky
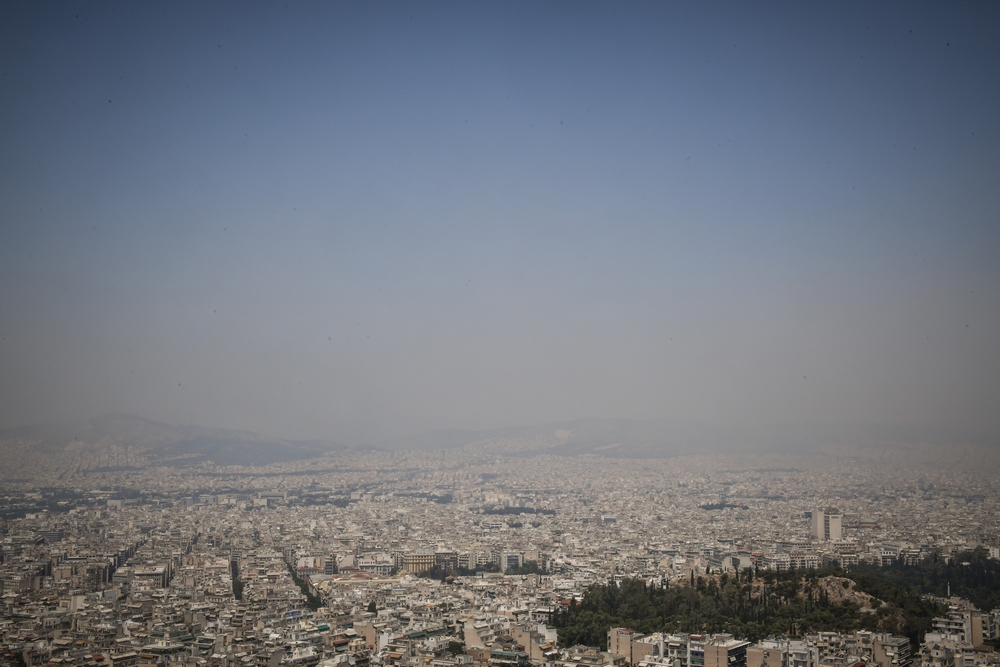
x=355, y=220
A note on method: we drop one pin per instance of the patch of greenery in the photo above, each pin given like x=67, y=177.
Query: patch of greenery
x=312, y=601
x=972, y=575
x=237, y=582
x=528, y=567
x=791, y=603
x=438, y=572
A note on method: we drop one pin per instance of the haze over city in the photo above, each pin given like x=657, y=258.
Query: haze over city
x=359, y=222
x=499, y=334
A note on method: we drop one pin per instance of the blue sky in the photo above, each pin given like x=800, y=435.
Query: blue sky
x=354, y=221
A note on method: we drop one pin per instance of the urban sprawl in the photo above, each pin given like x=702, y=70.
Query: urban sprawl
x=444, y=559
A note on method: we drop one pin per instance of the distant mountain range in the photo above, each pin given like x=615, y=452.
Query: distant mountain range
x=122, y=442
x=625, y=438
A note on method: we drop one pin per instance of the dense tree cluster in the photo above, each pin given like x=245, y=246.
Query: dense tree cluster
x=776, y=603
x=234, y=569
x=972, y=575
x=439, y=572
x=442, y=573
x=312, y=601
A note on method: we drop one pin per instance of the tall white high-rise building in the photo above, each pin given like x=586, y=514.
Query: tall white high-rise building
x=827, y=525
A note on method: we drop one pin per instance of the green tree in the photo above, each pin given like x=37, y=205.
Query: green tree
x=780, y=603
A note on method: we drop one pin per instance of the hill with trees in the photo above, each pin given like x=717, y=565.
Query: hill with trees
x=748, y=605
